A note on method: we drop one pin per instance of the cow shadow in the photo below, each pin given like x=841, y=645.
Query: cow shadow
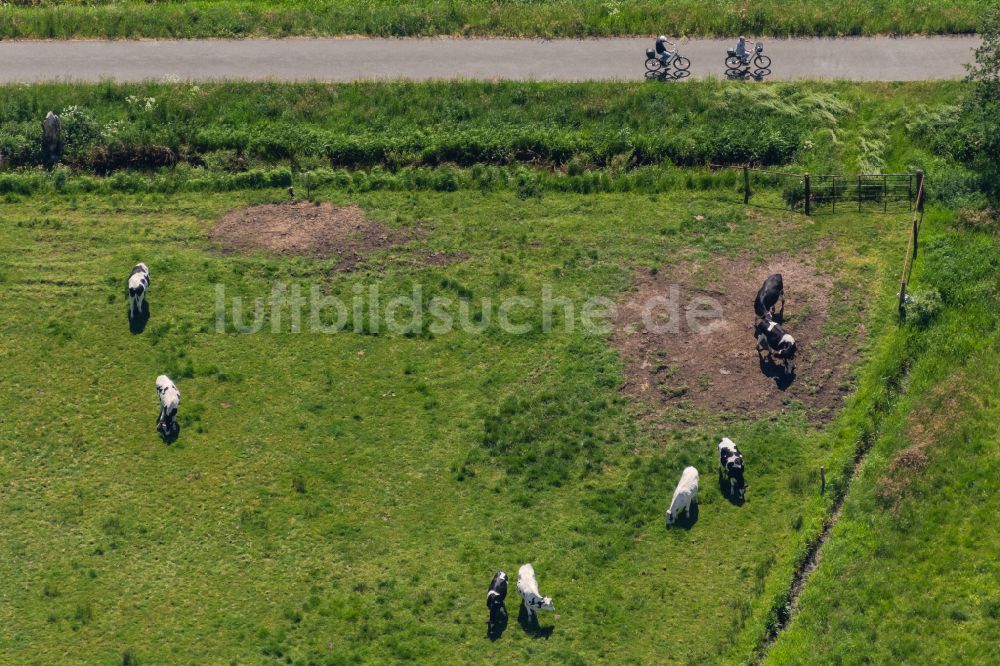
x=724, y=488
x=501, y=626
x=530, y=624
x=687, y=519
x=170, y=436
x=137, y=324
x=776, y=372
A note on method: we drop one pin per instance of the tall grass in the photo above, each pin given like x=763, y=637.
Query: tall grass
x=574, y=127
x=546, y=18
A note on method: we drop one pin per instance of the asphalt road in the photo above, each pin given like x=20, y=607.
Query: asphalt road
x=861, y=59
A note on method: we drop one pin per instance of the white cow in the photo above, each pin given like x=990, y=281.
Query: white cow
x=138, y=285
x=170, y=401
x=685, y=495
x=527, y=587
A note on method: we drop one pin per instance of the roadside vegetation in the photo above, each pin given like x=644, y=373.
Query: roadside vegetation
x=390, y=130
x=119, y=19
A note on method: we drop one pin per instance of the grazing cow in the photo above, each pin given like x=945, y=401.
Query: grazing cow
x=527, y=587
x=770, y=292
x=731, y=463
x=495, y=600
x=685, y=495
x=773, y=339
x=170, y=401
x=138, y=285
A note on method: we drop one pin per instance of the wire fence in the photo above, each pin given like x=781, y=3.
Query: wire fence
x=911, y=246
x=830, y=193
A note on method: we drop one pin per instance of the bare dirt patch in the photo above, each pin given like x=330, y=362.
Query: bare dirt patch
x=305, y=229
x=714, y=365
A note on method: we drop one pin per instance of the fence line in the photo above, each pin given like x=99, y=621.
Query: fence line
x=828, y=190
x=911, y=245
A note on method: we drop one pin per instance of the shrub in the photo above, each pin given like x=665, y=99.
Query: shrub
x=922, y=306
x=794, y=193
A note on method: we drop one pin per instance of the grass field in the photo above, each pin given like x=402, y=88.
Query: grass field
x=336, y=498
x=544, y=18
x=346, y=497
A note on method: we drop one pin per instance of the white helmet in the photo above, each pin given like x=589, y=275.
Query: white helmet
x=661, y=38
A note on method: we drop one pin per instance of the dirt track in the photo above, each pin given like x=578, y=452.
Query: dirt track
x=857, y=58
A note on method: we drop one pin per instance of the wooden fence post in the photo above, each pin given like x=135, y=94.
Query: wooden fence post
x=808, y=195
x=746, y=184
x=920, y=190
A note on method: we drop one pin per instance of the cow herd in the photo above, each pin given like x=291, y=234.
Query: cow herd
x=770, y=338
x=527, y=589
x=166, y=390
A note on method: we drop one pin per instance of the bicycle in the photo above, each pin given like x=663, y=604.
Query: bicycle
x=676, y=67
x=738, y=66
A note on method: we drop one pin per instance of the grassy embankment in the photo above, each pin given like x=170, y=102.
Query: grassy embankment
x=908, y=574
x=544, y=18
x=588, y=137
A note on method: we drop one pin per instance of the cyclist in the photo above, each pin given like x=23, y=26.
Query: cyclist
x=663, y=53
x=741, y=50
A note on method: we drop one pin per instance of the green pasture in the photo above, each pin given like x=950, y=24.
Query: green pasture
x=345, y=498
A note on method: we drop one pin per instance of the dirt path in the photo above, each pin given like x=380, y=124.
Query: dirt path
x=857, y=58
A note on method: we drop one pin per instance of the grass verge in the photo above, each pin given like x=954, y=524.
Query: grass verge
x=56, y=19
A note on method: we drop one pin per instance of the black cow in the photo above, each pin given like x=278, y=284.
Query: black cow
x=731, y=463
x=773, y=339
x=770, y=293
x=495, y=601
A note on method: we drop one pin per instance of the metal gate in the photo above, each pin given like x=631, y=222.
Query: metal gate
x=888, y=191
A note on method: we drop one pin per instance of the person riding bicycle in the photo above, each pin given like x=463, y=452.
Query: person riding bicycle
x=663, y=53
x=741, y=50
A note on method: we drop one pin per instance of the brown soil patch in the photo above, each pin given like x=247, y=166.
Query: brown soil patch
x=341, y=233
x=716, y=367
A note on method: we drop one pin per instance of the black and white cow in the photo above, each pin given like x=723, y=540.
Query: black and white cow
x=527, y=587
x=170, y=401
x=495, y=601
x=731, y=464
x=138, y=285
x=770, y=293
x=773, y=339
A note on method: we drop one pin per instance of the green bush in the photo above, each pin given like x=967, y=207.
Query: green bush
x=922, y=306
